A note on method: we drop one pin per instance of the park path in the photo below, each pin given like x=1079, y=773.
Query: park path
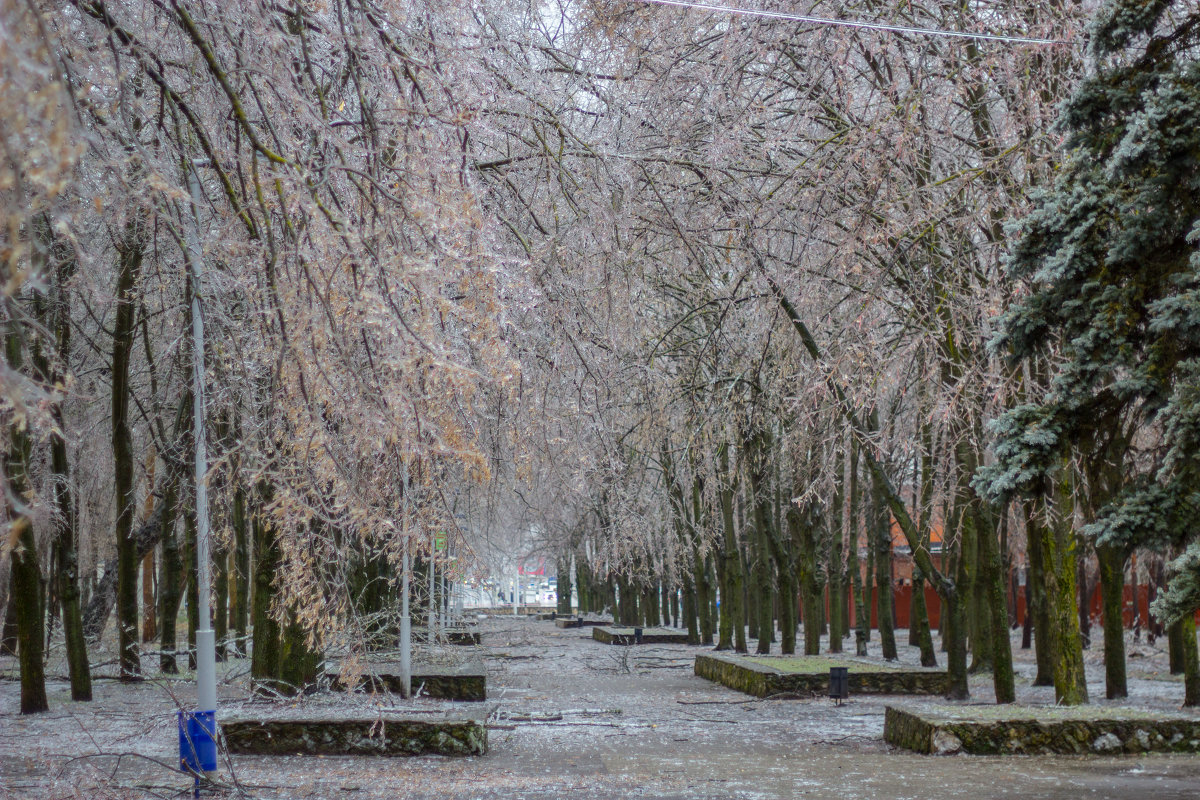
x=573, y=718
x=680, y=736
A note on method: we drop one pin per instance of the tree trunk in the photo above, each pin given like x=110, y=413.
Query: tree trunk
x=1037, y=606
x=1176, y=659
x=881, y=535
x=25, y=580
x=920, y=622
x=128, y=558
x=220, y=561
x=733, y=630
x=955, y=610
x=837, y=533
x=1191, y=661
x=65, y=559
x=703, y=600
x=68, y=577
x=870, y=596
x=994, y=596
x=649, y=606
x=563, y=588
x=754, y=450
x=241, y=571
x=169, y=586
x=25, y=588
x=583, y=581
x=1154, y=628
x=1027, y=626
x=300, y=665
x=862, y=608
x=764, y=605
x=149, y=590
x=1112, y=592
x=689, y=609
x=149, y=621
x=752, y=585
x=1084, y=604
x=1137, y=612
x=1058, y=556
x=8, y=637
x=978, y=613
x=267, y=649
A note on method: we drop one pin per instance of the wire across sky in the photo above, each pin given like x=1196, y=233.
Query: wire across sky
x=847, y=23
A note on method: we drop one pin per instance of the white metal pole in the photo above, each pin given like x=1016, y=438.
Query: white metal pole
x=206, y=652
x=405, y=628
x=431, y=622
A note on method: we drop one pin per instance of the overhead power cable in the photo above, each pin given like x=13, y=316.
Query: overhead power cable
x=848, y=23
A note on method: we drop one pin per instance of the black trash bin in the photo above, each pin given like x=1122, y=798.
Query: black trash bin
x=839, y=684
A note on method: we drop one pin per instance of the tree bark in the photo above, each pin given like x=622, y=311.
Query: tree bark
x=25, y=581
x=1191, y=661
x=266, y=653
x=1112, y=592
x=881, y=537
x=955, y=608
x=1058, y=556
x=169, y=585
x=994, y=596
x=1037, y=605
x=1176, y=657
x=733, y=629
x=921, y=622
x=563, y=586
x=837, y=535
x=26, y=586
x=128, y=557
x=241, y=569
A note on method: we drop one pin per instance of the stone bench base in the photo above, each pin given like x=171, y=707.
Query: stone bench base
x=576, y=622
x=390, y=737
x=621, y=635
x=467, y=682
x=1009, y=730
x=463, y=636
x=810, y=675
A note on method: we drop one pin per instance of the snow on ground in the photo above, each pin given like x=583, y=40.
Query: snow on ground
x=571, y=717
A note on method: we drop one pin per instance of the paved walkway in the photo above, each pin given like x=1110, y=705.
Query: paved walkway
x=575, y=718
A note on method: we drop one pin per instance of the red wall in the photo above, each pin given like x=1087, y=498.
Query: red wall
x=903, y=597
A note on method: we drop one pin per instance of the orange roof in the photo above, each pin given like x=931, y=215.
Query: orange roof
x=935, y=534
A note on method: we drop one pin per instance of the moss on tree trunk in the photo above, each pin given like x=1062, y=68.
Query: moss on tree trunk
x=1058, y=556
x=1191, y=662
x=26, y=588
x=733, y=615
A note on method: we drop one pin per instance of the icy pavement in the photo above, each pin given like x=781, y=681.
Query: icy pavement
x=575, y=718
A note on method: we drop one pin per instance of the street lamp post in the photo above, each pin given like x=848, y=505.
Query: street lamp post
x=198, y=729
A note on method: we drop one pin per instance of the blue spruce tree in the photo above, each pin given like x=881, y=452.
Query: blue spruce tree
x=1110, y=254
